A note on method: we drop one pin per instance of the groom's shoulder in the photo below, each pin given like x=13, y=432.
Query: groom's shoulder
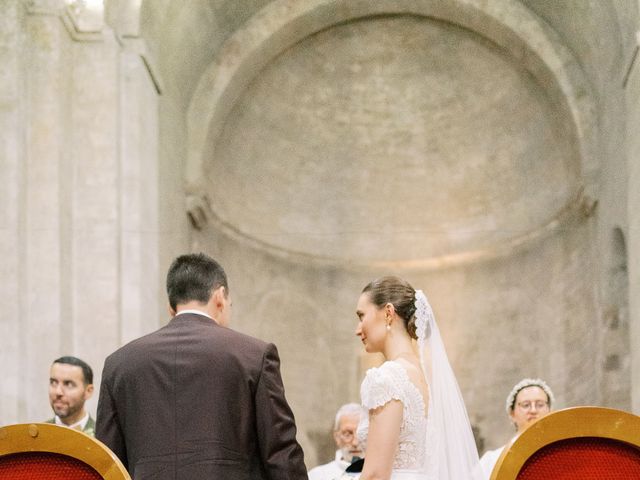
x=223, y=338
x=243, y=338
x=129, y=348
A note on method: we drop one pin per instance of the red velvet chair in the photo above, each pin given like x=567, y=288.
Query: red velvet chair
x=42, y=451
x=582, y=443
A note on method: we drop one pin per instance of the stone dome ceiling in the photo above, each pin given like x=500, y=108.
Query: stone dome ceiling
x=391, y=138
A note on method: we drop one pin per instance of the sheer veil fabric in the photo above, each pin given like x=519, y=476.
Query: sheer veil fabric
x=452, y=451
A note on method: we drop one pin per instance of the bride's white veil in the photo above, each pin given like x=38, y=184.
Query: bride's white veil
x=453, y=451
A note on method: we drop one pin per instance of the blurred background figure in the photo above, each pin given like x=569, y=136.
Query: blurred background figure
x=70, y=386
x=349, y=450
x=529, y=400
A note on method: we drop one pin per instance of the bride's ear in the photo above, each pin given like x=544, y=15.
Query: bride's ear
x=389, y=309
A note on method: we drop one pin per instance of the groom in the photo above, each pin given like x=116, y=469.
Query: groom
x=195, y=400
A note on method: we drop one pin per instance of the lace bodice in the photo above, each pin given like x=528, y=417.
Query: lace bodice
x=389, y=382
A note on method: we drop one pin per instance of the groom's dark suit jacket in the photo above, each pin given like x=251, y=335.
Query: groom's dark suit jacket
x=195, y=400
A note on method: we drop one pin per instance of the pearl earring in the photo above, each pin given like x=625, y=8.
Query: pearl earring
x=388, y=327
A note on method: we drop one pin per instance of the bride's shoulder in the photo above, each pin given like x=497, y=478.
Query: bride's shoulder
x=388, y=368
x=411, y=368
x=383, y=383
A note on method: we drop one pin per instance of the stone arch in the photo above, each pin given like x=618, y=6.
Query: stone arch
x=283, y=23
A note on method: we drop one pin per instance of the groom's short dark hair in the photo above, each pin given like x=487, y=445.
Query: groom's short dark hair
x=193, y=277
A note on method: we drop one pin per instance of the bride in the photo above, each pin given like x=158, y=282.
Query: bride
x=417, y=427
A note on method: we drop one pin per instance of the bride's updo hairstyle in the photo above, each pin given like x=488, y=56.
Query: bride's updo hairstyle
x=400, y=294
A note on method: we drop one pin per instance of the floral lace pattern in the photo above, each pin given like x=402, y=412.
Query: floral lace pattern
x=389, y=382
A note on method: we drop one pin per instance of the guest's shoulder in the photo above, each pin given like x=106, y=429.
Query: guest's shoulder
x=490, y=456
x=324, y=472
x=489, y=460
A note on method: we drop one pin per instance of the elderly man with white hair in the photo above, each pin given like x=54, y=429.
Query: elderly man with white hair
x=344, y=434
x=529, y=400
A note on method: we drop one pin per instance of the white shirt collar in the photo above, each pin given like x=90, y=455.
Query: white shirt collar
x=81, y=423
x=197, y=312
x=341, y=461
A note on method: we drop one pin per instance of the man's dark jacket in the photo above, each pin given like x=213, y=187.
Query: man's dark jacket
x=195, y=400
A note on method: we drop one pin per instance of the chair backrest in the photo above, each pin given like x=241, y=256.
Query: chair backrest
x=576, y=443
x=42, y=451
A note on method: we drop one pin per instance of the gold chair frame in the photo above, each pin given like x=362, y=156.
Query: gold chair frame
x=565, y=424
x=50, y=438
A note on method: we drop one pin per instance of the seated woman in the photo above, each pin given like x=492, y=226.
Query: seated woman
x=529, y=400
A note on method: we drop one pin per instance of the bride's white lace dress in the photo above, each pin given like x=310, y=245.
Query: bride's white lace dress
x=388, y=382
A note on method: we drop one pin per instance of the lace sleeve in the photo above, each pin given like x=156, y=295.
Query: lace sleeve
x=380, y=386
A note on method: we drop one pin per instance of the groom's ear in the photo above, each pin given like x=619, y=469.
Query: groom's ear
x=218, y=296
x=172, y=312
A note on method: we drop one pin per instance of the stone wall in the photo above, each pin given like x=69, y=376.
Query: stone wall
x=502, y=320
x=11, y=194
x=403, y=144
x=291, y=140
x=80, y=219
x=633, y=166
x=602, y=35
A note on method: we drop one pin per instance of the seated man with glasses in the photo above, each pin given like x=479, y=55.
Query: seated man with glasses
x=529, y=400
x=349, y=450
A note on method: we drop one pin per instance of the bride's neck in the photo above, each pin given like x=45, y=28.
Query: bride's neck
x=399, y=349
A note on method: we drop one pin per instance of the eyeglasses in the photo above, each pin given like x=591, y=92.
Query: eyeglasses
x=346, y=435
x=529, y=405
